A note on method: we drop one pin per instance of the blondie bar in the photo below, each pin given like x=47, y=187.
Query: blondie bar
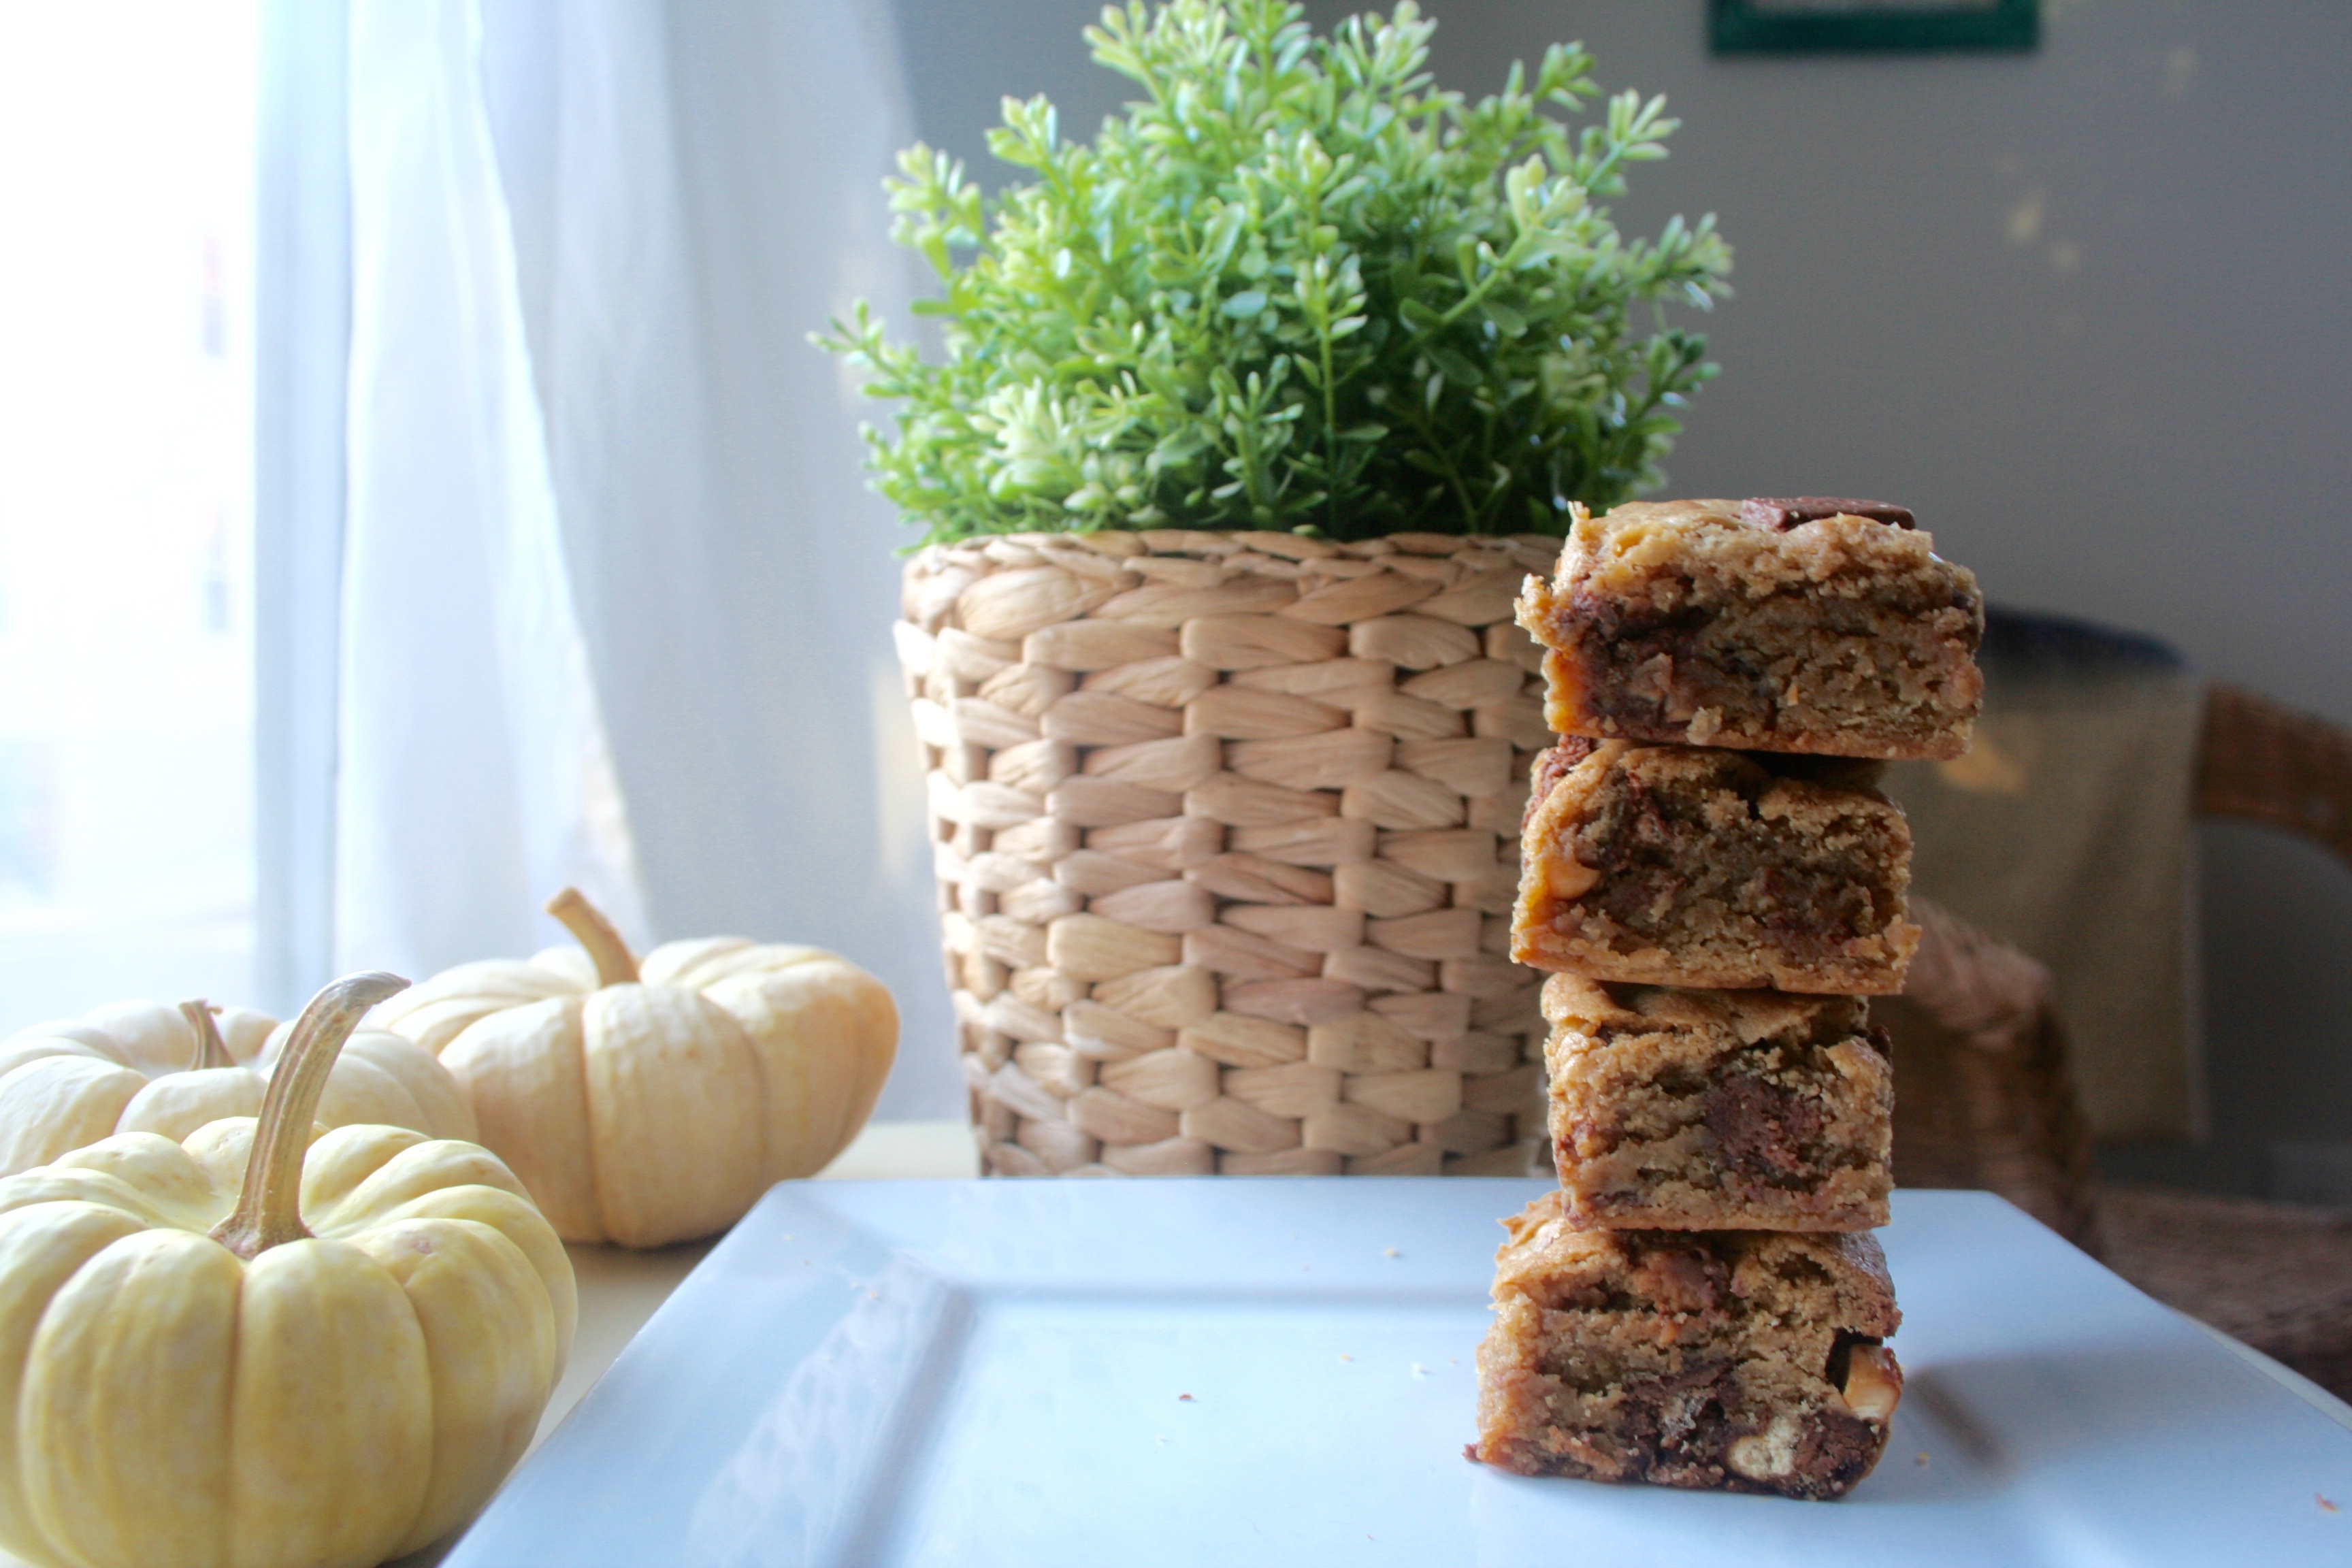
x=1718, y=1109
x=1749, y=1361
x=1807, y=623
x=1683, y=865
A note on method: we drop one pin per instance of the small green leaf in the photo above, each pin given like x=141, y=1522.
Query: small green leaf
x=1456, y=366
x=1473, y=342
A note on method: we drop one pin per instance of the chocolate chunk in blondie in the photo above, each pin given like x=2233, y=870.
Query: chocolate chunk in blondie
x=1781, y=514
x=1680, y=866
x=1746, y=1361
x=1675, y=1109
x=1770, y=627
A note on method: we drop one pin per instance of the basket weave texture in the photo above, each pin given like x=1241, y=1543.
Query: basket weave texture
x=1227, y=829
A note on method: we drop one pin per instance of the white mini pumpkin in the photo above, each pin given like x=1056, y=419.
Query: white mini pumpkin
x=253, y=1349
x=143, y=1067
x=651, y=1103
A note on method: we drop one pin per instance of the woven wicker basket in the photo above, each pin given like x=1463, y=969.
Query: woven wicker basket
x=1227, y=829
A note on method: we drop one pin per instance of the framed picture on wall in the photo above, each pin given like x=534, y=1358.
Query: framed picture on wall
x=1870, y=26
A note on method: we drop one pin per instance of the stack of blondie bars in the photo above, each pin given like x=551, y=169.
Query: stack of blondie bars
x=1715, y=885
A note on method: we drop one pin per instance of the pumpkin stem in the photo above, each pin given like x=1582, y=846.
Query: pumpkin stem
x=615, y=964
x=269, y=1205
x=211, y=1051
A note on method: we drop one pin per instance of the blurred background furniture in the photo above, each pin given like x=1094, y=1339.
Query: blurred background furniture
x=1984, y=1097
x=1988, y=1100
x=2065, y=833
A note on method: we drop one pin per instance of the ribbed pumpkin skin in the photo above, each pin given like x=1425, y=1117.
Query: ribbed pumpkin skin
x=125, y=1068
x=334, y=1403
x=659, y=1111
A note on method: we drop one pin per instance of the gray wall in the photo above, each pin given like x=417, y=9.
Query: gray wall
x=2082, y=309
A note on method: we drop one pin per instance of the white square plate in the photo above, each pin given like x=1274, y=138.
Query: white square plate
x=980, y=1372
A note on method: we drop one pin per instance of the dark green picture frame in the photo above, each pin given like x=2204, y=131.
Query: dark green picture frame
x=1763, y=28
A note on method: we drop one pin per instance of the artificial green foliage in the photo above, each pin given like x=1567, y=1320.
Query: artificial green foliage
x=1294, y=286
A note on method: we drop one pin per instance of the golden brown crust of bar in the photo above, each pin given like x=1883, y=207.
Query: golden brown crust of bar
x=1686, y=622
x=1745, y=1360
x=1674, y=1110
x=1683, y=865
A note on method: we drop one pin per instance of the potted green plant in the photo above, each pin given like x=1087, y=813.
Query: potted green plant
x=1253, y=413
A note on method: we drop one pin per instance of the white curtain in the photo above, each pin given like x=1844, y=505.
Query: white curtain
x=474, y=769
x=618, y=602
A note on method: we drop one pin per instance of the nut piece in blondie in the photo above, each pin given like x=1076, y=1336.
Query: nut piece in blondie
x=1684, y=865
x=1744, y=1361
x=1675, y=1109
x=1794, y=624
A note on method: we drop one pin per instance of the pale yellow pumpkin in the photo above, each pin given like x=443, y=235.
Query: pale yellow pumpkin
x=237, y=1352
x=142, y=1067
x=655, y=1102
